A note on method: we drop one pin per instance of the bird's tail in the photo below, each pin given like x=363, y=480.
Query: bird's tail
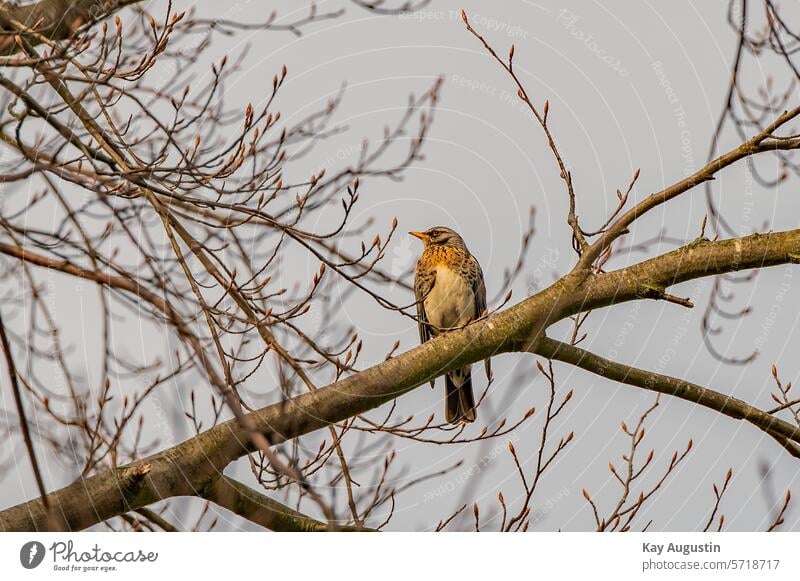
x=459, y=402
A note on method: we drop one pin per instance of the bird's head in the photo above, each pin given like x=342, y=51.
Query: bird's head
x=440, y=236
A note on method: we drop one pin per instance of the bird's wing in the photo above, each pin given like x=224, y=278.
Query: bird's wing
x=478, y=289
x=479, y=294
x=423, y=284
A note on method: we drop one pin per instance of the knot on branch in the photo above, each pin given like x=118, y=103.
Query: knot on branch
x=132, y=479
x=699, y=241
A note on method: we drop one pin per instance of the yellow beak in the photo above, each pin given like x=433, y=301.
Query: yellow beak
x=420, y=235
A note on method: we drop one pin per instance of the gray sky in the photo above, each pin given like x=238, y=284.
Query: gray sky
x=630, y=85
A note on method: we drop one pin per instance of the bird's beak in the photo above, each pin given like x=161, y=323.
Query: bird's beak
x=420, y=235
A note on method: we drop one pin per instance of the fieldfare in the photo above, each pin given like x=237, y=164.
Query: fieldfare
x=450, y=293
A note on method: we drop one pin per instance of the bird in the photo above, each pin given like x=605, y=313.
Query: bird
x=450, y=293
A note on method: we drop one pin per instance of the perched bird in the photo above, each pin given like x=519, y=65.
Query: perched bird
x=450, y=293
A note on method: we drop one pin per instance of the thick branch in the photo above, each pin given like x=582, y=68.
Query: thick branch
x=262, y=510
x=786, y=434
x=701, y=258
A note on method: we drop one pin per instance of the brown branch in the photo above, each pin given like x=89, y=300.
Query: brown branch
x=262, y=510
x=579, y=241
x=157, y=519
x=785, y=433
x=764, y=141
x=24, y=427
x=779, y=520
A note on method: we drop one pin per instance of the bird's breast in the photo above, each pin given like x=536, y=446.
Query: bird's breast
x=451, y=302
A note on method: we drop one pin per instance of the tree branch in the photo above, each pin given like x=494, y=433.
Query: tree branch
x=262, y=510
x=785, y=433
x=189, y=467
x=760, y=143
